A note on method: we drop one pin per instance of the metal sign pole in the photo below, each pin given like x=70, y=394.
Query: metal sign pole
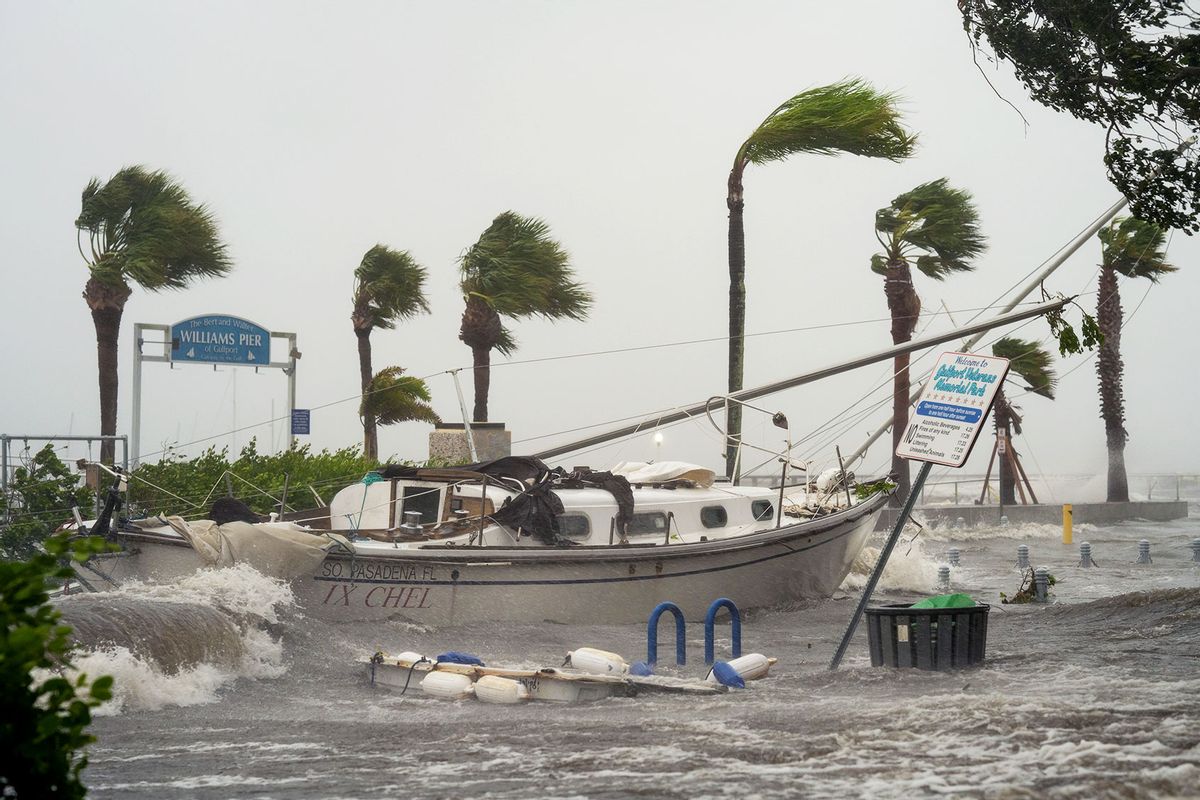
x=884, y=554
x=135, y=428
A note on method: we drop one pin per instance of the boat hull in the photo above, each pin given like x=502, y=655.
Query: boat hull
x=441, y=586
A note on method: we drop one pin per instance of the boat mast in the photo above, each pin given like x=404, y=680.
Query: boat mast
x=1025, y=291
x=809, y=377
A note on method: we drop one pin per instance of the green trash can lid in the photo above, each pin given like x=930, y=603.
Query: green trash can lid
x=958, y=600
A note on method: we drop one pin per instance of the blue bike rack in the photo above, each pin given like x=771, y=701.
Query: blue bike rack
x=710, y=618
x=652, y=634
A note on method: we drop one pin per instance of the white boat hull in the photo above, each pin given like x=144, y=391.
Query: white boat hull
x=438, y=585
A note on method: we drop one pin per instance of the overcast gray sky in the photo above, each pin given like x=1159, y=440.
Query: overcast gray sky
x=315, y=130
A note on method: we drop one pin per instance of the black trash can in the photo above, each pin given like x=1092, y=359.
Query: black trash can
x=927, y=638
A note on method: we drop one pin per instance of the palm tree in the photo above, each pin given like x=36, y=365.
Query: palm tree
x=515, y=270
x=1032, y=363
x=935, y=228
x=143, y=229
x=389, y=285
x=391, y=397
x=1135, y=249
x=845, y=117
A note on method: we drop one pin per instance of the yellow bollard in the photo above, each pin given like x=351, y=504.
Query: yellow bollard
x=1067, y=514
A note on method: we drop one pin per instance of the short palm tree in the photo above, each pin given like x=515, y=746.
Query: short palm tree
x=515, y=270
x=142, y=228
x=1030, y=362
x=935, y=228
x=389, y=285
x=1134, y=249
x=391, y=397
x=845, y=117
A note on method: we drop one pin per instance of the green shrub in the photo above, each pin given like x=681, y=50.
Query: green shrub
x=42, y=724
x=39, y=499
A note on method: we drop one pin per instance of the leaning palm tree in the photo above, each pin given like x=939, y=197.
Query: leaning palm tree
x=142, y=228
x=389, y=285
x=845, y=117
x=391, y=397
x=515, y=270
x=1031, y=362
x=1135, y=249
x=935, y=228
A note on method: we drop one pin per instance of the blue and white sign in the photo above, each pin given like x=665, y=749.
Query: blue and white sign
x=220, y=339
x=300, y=421
x=952, y=408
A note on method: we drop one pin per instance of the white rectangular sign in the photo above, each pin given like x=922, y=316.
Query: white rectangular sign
x=952, y=408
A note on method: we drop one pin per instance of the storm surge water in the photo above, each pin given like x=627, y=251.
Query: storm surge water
x=178, y=645
x=1095, y=695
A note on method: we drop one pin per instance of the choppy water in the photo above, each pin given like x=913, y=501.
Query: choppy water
x=1096, y=696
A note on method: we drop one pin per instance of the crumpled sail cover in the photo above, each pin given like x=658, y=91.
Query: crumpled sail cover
x=280, y=550
x=665, y=472
x=536, y=509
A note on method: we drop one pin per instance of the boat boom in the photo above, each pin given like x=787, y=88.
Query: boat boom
x=809, y=377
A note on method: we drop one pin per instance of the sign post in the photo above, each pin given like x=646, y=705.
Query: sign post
x=944, y=428
x=210, y=339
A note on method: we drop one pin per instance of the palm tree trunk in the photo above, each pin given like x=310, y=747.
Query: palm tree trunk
x=370, y=436
x=482, y=358
x=905, y=306
x=1110, y=369
x=107, y=304
x=737, y=311
x=1006, y=473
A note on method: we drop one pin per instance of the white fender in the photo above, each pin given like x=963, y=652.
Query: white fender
x=495, y=689
x=597, y=662
x=447, y=685
x=410, y=657
x=751, y=667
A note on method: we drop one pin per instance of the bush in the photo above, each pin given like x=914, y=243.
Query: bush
x=39, y=499
x=188, y=486
x=42, y=725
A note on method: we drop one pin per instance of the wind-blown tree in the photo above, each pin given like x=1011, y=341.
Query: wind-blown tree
x=143, y=229
x=515, y=270
x=389, y=286
x=845, y=117
x=1130, y=67
x=934, y=228
x=392, y=397
x=1132, y=248
x=1030, y=362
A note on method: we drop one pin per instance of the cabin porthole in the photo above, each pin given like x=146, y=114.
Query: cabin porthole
x=714, y=517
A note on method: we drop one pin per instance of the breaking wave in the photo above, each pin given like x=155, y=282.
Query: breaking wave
x=178, y=644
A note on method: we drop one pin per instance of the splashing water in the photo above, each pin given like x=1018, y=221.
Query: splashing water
x=178, y=644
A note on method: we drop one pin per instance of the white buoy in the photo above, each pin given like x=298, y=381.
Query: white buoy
x=597, y=662
x=505, y=691
x=447, y=685
x=410, y=657
x=751, y=667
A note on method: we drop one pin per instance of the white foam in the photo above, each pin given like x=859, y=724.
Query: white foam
x=908, y=569
x=240, y=590
x=141, y=685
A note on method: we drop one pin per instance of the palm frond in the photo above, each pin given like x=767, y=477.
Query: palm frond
x=1029, y=360
x=936, y=220
x=144, y=228
x=394, y=397
x=1135, y=248
x=845, y=117
x=390, y=286
x=521, y=271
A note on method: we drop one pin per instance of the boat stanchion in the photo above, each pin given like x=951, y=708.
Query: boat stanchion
x=652, y=634
x=710, y=619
